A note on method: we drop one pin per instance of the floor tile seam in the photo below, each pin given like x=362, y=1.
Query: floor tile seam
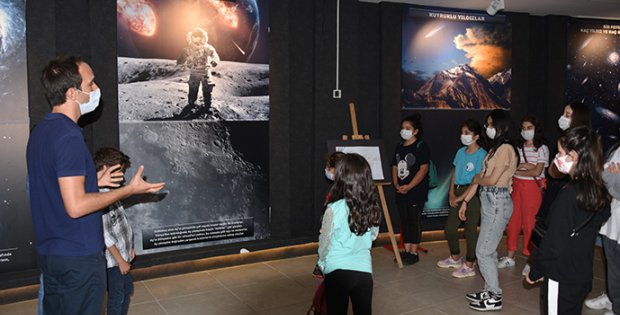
x=410, y=277
x=140, y=303
x=435, y=305
x=275, y=269
x=422, y=308
x=519, y=305
x=236, y=296
x=176, y=276
x=309, y=303
x=188, y=295
x=289, y=277
x=156, y=299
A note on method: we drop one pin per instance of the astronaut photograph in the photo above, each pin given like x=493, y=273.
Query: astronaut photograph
x=193, y=79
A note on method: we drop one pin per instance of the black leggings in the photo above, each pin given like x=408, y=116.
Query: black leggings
x=410, y=229
x=340, y=285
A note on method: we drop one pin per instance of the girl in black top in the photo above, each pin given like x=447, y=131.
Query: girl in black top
x=409, y=173
x=564, y=259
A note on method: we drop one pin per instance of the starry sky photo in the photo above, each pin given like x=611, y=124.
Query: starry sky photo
x=593, y=73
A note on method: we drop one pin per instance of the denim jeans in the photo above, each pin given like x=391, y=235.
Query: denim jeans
x=73, y=285
x=612, y=254
x=40, y=307
x=496, y=210
x=120, y=289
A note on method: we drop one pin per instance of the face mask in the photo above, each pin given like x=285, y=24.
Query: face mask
x=92, y=103
x=467, y=139
x=491, y=132
x=564, y=122
x=406, y=134
x=563, y=166
x=527, y=134
x=329, y=175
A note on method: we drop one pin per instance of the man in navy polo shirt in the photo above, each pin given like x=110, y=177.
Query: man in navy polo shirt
x=64, y=197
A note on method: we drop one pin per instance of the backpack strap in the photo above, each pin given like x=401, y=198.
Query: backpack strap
x=576, y=230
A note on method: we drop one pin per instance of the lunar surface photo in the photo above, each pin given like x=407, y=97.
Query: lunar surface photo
x=193, y=81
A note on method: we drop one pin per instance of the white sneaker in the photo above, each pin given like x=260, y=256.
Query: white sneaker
x=492, y=303
x=600, y=302
x=505, y=262
x=609, y=313
x=449, y=263
x=526, y=270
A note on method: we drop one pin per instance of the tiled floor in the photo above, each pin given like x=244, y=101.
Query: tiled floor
x=286, y=287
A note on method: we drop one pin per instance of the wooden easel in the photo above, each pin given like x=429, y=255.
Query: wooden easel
x=379, y=184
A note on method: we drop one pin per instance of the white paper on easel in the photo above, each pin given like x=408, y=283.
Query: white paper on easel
x=372, y=156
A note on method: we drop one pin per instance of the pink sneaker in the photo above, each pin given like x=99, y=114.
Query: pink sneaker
x=449, y=263
x=464, y=272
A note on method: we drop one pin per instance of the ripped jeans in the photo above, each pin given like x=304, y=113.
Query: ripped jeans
x=495, y=212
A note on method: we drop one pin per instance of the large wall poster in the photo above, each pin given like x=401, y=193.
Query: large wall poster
x=455, y=65
x=17, y=250
x=194, y=109
x=455, y=60
x=593, y=73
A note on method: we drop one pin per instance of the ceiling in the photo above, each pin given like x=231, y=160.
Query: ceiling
x=608, y=9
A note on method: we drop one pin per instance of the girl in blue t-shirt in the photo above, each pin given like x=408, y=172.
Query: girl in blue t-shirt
x=467, y=163
x=350, y=224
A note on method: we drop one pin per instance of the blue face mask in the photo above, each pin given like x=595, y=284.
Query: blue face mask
x=329, y=175
x=93, y=102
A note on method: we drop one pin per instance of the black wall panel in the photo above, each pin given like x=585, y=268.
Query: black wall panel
x=303, y=113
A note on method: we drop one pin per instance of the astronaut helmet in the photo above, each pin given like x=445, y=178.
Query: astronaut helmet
x=197, y=37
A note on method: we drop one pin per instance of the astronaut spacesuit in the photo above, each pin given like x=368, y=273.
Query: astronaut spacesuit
x=199, y=57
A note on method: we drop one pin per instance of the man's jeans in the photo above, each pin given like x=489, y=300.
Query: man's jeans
x=495, y=212
x=73, y=284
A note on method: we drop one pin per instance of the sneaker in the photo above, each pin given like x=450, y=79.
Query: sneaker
x=449, y=263
x=492, y=303
x=505, y=262
x=402, y=256
x=526, y=270
x=464, y=272
x=600, y=302
x=477, y=296
x=609, y=313
x=410, y=259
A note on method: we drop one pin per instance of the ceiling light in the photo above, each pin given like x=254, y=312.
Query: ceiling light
x=496, y=5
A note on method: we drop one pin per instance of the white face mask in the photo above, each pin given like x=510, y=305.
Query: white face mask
x=406, y=134
x=92, y=103
x=329, y=175
x=467, y=139
x=562, y=164
x=527, y=134
x=491, y=132
x=563, y=122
